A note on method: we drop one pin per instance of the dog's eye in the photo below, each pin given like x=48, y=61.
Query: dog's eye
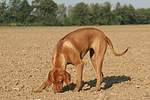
x=60, y=82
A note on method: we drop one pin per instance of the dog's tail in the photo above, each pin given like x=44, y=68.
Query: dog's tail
x=111, y=47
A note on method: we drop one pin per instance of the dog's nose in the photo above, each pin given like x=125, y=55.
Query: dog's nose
x=55, y=91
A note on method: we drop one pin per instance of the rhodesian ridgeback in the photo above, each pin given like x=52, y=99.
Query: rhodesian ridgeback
x=70, y=50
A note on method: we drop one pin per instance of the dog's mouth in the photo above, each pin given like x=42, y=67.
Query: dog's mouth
x=58, y=90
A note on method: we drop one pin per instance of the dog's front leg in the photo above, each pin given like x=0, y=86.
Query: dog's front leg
x=79, y=68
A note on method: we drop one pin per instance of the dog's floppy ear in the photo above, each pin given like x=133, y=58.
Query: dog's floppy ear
x=67, y=78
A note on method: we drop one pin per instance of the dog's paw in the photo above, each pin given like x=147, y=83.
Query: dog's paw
x=94, y=89
x=75, y=90
x=36, y=91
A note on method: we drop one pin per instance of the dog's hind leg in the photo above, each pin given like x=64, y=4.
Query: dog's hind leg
x=97, y=61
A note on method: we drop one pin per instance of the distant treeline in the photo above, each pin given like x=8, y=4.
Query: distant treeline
x=48, y=13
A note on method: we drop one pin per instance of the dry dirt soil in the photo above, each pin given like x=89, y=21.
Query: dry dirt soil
x=26, y=59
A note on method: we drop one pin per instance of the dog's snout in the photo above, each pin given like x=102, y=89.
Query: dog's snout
x=55, y=91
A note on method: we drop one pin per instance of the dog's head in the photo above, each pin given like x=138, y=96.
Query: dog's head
x=57, y=77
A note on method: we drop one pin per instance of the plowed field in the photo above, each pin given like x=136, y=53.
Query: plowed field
x=26, y=59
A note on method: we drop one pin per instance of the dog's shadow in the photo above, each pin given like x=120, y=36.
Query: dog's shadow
x=109, y=81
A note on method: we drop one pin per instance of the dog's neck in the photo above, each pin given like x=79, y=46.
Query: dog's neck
x=59, y=61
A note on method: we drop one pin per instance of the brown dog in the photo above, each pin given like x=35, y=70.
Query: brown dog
x=70, y=50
